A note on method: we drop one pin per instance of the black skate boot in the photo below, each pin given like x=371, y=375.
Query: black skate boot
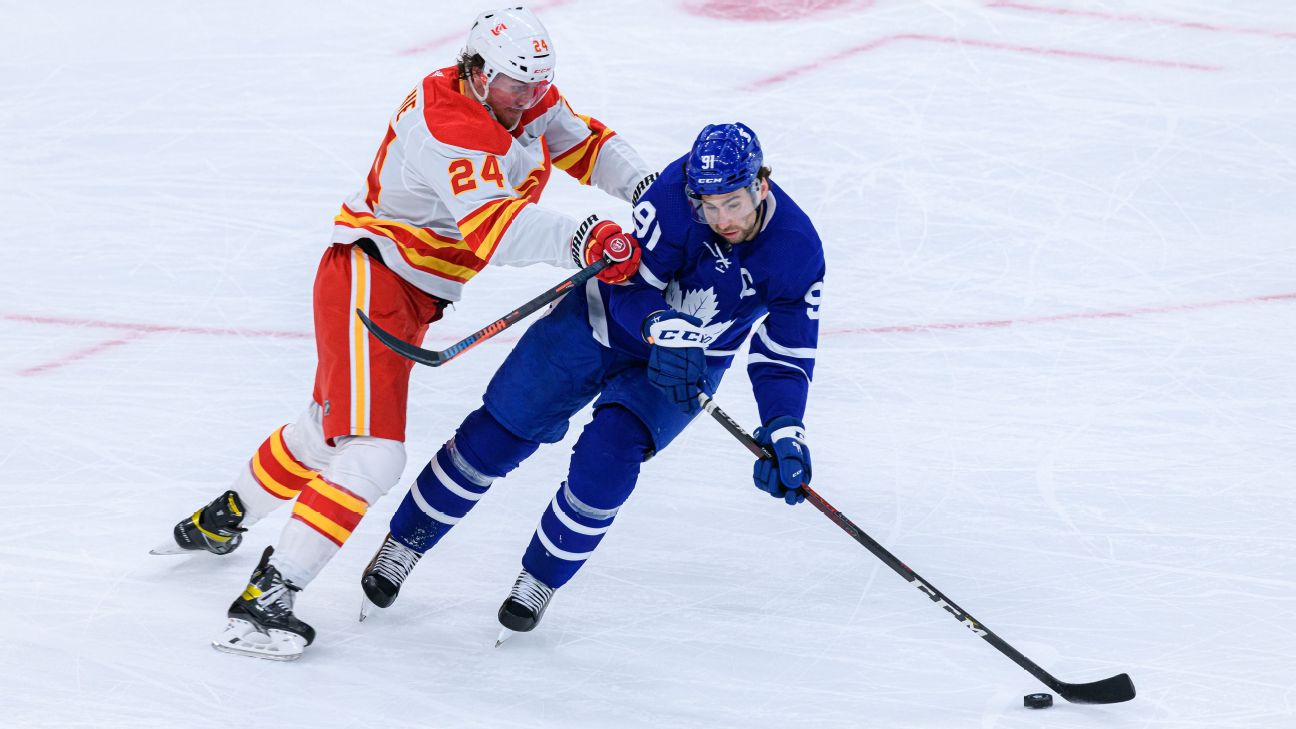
x=261, y=620
x=214, y=528
x=524, y=607
x=386, y=571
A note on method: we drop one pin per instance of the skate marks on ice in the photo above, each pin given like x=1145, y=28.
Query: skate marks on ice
x=1109, y=493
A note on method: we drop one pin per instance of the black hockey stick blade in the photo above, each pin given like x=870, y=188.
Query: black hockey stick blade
x=1112, y=690
x=436, y=359
x=400, y=346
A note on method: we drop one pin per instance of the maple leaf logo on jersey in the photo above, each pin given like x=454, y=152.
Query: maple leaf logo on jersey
x=700, y=303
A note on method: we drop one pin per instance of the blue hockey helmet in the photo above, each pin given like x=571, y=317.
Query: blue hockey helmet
x=725, y=157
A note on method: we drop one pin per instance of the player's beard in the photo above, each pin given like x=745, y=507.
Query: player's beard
x=508, y=118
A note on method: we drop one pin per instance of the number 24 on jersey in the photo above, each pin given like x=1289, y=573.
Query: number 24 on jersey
x=463, y=177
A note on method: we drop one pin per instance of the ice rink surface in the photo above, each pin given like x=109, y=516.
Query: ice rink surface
x=1054, y=375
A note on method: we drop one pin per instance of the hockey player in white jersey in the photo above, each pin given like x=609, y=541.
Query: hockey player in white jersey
x=454, y=186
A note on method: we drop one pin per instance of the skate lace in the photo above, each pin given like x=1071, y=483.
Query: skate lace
x=277, y=598
x=277, y=595
x=395, y=561
x=531, y=592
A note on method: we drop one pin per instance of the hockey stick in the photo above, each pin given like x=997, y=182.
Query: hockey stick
x=436, y=359
x=1107, y=691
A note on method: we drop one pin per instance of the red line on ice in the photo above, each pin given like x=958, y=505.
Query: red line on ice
x=1146, y=19
x=79, y=355
x=995, y=45
x=138, y=331
x=154, y=328
x=1121, y=314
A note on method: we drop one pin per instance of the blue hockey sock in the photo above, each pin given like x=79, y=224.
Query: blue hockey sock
x=455, y=480
x=604, y=468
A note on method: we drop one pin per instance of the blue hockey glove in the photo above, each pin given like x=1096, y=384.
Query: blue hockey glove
x=677, y=361
x=783, y=474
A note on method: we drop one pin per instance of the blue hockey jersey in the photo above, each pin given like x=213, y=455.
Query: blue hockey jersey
x=777, y=275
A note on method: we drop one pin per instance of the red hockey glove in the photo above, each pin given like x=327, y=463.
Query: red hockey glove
x=607, y=239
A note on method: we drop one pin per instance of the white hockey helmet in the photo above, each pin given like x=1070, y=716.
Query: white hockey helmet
x=514, y=42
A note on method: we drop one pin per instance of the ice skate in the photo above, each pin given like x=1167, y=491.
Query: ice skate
x=386, y=571
x=261, y=621
x=214, y=528
x=525, y=605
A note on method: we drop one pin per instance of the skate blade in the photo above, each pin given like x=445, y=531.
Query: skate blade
x=242, y=638
x=170, y=547
x=366, y=606
x=504, y=635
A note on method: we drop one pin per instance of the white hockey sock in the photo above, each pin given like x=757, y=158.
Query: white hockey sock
x=332, y=504
x=302, y=552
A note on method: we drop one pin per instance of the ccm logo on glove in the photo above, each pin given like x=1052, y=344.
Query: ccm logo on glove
x=680, y=338
x=677, y=359
x=670, y=328
x=782, y=475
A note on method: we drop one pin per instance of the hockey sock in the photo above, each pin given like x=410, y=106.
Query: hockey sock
x=331, y=506
x=289, y=459
x=456, y=478
x=273, y=477
x=604, y=468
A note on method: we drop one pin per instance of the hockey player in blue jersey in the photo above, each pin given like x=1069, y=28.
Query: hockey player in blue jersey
x=723, y=246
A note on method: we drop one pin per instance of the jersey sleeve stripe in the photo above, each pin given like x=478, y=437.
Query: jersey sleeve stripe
x=651, y=279
x=776, y=348
x=754, y=358
x=579, y=161
x=373, y=183
x=536, y=179
x=484, y=227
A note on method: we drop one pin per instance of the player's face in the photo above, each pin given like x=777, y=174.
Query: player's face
x=734, y=215
x=509, y=97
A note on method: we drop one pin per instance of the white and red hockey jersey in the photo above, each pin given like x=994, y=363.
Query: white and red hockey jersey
x=451, y=190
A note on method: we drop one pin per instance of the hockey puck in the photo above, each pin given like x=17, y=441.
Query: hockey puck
x=1037, y=701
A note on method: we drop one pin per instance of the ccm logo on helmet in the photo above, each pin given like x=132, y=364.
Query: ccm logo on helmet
x=499, y=29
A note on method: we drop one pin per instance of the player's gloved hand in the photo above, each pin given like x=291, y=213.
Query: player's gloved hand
x=677, y=361
x=596, y=239
x=783, y=474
